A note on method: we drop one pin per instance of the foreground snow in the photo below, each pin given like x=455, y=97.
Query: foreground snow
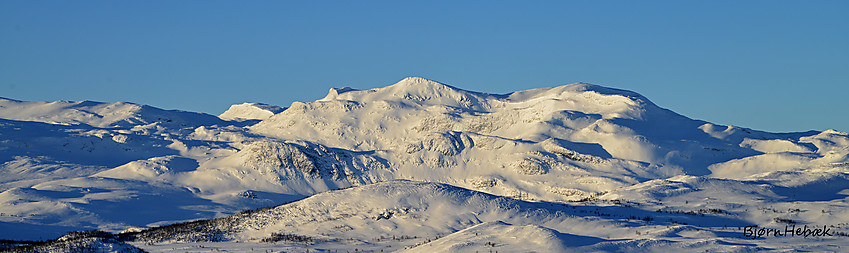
x=603, y=169
x=412, y=216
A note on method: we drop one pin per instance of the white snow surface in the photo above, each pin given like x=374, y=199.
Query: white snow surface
x=611, y=153
x=249, y=111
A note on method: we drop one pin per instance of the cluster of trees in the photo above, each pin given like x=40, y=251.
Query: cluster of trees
x=193, y=231
x=76, y=241
x=276, y=237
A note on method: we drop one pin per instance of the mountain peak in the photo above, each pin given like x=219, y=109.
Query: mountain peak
x=336, y=91
x=418, y=84
x=412, y=89
x=249, y=111
x=418, y=80
x=606, y=90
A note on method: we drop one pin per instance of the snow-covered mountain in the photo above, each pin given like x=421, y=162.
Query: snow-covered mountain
x=482, y=166
x=249, y=111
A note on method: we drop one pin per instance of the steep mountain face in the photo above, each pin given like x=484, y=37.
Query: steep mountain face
x=114, y=166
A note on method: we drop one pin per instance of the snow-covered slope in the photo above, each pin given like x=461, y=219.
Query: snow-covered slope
x=431, y=217
x=101, y=115
x=112, y=166
x=249, y=111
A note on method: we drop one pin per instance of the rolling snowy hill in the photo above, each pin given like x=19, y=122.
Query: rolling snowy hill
x=549, y=164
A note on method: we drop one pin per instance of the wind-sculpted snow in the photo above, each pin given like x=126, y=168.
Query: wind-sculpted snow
x=115, y=166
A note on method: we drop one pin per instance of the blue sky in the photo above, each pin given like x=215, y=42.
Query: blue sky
x=767, y=65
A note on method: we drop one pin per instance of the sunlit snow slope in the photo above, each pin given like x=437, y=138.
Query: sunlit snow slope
x=113, y=166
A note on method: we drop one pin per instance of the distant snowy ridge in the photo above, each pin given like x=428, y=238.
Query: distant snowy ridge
x=249, y=111
x=97, y=114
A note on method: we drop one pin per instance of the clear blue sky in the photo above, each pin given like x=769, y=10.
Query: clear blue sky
x=768, y=65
